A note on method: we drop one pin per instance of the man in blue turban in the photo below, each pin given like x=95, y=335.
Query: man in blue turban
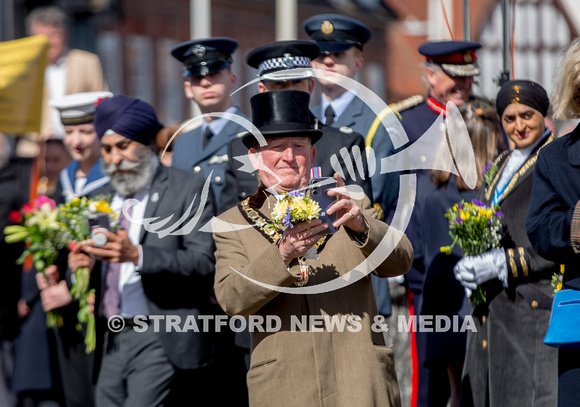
x=157, y=268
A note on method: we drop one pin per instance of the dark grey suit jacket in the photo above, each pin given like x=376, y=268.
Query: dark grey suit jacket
x=178, y=270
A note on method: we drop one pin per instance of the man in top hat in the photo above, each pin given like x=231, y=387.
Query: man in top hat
x=149, y=273
x=313, y=366
x=209, y=82
x=286, y=65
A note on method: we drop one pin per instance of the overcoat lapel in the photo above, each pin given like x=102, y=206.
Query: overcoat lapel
x=156, y=195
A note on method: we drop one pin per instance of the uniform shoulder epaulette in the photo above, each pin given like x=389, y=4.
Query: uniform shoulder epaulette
x=406, y=103
x=395, y=107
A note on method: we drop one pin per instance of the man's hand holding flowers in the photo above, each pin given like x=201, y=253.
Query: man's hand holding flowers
x=77, y=258
x=296, y=241
x=54, y=294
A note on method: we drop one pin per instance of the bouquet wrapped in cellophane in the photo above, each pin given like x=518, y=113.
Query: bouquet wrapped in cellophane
x=476, y=228
x=37, y=225
x=73, y=217
x=47, y=229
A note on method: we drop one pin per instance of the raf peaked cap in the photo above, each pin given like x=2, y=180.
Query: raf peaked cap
x=336, y=33
x=281, y=113
x=273, y=61
x=205, y=56
x=78, y=108
x=456, y=58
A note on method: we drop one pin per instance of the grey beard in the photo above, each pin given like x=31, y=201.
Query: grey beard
x=139, y=175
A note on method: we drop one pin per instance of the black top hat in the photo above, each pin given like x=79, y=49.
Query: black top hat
x=336, y=33
x=275, y=59
x=205, y=56
x=456, y=58
x=282, y=113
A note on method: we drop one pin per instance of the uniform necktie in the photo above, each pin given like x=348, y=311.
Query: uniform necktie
x=207, y=135
x=111, y=296
x=329, y=114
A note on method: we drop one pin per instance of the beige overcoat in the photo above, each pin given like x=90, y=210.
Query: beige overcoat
x=84, y=73
x=322, y=366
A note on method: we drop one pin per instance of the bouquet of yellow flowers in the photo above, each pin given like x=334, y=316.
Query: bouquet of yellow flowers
x=73, y=218
x=38, y=226
x=295, y=207
x=292, y=208
x=476, y=228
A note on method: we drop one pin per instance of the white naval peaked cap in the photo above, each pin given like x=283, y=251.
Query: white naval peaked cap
x=78, y=108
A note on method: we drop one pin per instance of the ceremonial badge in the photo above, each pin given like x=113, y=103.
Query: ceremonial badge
x=288, y=60
x=204, y=70
x=326, y=27
x=198, y=51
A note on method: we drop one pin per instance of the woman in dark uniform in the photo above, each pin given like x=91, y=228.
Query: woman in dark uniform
x=506, y=362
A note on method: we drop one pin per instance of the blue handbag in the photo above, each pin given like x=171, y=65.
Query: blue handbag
x=564, y=329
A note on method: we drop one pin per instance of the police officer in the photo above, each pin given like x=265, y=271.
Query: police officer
x=286, y=65
x=209, y=82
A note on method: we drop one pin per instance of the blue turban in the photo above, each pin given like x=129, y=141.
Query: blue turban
x=131, y=118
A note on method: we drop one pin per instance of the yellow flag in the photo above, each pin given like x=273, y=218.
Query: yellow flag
x=22, y=66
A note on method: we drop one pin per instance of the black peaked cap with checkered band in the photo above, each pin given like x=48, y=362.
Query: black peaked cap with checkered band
x=284, y=60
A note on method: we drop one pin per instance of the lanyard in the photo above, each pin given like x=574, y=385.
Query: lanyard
x=498, y=193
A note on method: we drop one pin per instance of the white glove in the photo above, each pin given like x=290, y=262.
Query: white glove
x=472, y=271
x=468, y=292
x=397, y=279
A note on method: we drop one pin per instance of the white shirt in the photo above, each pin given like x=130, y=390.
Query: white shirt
x=55, y=79
x=133, y=300
x=217, y=125
x=515, y=161
x=339, y=104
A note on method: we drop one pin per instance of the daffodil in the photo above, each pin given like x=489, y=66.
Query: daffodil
x=294, y=208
